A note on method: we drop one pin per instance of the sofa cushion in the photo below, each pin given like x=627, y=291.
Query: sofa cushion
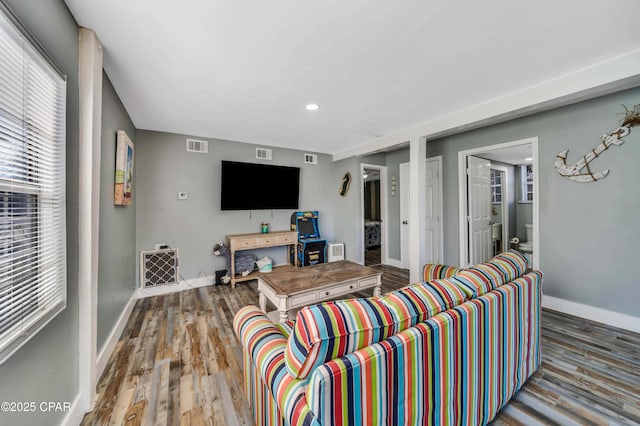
x=510, y=265
x=484, y=277
x=434, y=271
x=330, y=330
x=417, y=302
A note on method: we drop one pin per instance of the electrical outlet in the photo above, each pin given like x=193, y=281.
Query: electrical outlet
x=182, y=195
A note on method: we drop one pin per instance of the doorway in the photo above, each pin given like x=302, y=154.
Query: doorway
x=374, y=211
x=498, y=199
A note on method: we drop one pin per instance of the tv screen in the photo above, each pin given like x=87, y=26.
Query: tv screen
x=250, y=186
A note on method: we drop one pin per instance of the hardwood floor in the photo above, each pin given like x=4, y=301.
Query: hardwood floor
x=178, y=362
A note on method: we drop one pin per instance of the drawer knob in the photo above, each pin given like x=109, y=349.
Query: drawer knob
x=351, y=286
x=327, y=293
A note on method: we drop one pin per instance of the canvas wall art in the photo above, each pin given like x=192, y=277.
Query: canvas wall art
x=124, y=170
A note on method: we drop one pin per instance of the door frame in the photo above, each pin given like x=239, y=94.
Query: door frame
x=405, y=258
x=506, y=192
x=463, y=242
x=384, y=251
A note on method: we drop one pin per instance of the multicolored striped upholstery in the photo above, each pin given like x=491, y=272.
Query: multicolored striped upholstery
x=330, y=330
x=456, y=368
x=479, y=279
x=417, y=302
x=459, y=366
x=273, y=394
x=434, y=271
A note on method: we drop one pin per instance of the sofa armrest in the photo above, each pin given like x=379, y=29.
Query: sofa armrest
x=434, y=271
x=263, y=350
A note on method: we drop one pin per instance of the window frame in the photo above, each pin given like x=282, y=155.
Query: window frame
x=526, y=183
x=33, y=260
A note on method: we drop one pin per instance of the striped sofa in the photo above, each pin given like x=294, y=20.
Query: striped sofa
x=451, y=350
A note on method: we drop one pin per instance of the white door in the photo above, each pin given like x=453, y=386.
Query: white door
x=479, y=209
x=433, y=212
x=403, y=188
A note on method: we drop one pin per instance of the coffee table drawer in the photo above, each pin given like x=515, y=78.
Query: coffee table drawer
x=336, y=291
x=303, y=299
x=368, y=282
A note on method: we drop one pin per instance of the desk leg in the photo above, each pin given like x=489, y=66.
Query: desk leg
x=233, y=269
x=263, y=302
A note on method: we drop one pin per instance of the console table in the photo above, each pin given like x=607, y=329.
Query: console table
x=251, y=241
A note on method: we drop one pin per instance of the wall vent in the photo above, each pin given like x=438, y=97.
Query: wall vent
x=310, y=158
x=158, y=267
x=195, y=145
x=263, y=154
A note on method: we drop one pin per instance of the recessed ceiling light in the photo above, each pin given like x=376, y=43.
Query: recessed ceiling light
x=312, y=107
x=528, y=159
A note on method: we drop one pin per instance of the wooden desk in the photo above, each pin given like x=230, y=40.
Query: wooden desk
x=256, y=240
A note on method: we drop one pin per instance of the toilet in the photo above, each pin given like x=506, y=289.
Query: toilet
x=527, y=246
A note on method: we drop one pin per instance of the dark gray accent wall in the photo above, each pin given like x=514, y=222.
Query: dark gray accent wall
x=588, y=231
x=116, y=267
x=193, y=226
x=46, y=367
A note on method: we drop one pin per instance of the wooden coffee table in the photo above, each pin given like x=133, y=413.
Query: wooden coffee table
x=294, y=288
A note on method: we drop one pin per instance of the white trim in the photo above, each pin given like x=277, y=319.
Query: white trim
x=394, y=262
x=614, y=319
x=403, y=188
x=384, y=203
x=615, y=74
x=504, y=205
x=462, y=196
x=438, y=160
x=75, y=415
x=90, y=134
x=417, y=227
x=114, y=336
x=187, y=284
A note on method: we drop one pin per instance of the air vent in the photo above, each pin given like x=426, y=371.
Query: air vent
x=310, y=158
x=194, y=145
x=263, y=154
x=158, y=267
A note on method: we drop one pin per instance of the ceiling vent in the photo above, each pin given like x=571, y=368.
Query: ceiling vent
x=263, y=154
x=194, y=145
x=310, y=158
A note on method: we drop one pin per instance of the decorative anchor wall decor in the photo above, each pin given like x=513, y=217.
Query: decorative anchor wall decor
x=575, y=172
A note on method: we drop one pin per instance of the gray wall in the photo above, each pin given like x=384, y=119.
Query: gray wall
x=347, y=226
x=588, y=231
x=46, y=368
x=193, y=226
x=116, y=267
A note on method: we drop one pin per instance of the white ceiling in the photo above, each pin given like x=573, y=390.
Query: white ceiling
x=243, y=70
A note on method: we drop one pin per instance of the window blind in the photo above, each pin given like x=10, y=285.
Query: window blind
x=32, y=188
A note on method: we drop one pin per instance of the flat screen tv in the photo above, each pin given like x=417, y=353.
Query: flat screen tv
x=250, y=186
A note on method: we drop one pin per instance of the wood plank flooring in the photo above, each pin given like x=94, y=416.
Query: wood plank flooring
x=178, y=363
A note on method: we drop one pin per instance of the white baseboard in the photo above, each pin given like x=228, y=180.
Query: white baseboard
x=76, y=413
x=615, y=319
x=172, y=288
x=394, y=262
x=114, y=336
